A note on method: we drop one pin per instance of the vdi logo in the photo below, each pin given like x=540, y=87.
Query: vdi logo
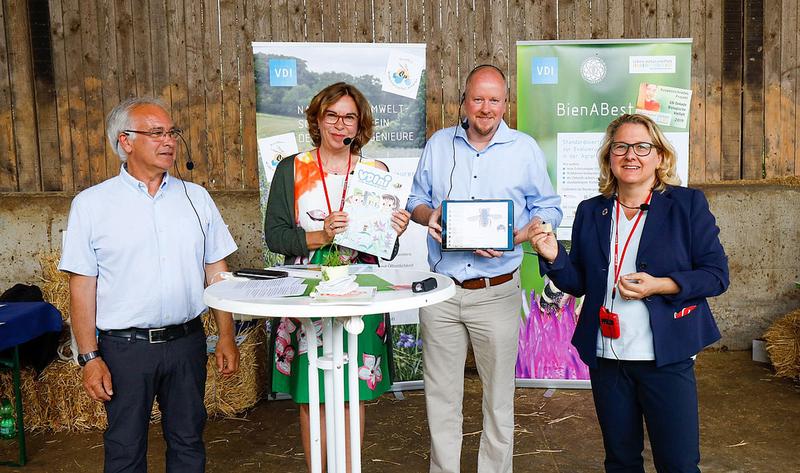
x=282, y=72
x=544, y=70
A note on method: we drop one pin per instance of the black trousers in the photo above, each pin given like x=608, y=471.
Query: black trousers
x=627, y=392
x=174, y=373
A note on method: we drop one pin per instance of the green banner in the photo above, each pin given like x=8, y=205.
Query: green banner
x=568, y=92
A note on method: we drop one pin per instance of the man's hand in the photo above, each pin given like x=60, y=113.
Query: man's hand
x=434, y=225
x=525, y=233
x=97, y=380
x=489, y=253
x=227, y=356
x=227, y=353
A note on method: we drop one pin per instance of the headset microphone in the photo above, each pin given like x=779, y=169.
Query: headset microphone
x=189, y=162
x=347, y=141
x=643, y=207
x=465, y=121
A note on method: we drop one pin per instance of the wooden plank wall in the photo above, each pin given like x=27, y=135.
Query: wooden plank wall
x=65, y=63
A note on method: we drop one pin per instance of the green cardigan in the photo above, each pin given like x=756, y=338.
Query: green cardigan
x=280, y=229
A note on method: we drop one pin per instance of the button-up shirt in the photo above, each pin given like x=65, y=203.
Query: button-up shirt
x=147, y=252
x=512, y=166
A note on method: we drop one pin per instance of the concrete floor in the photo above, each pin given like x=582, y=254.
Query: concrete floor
x=750, y=422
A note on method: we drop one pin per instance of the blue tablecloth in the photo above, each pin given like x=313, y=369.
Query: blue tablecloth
x=23, y=321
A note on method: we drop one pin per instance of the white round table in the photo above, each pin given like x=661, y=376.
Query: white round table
x=337, y=319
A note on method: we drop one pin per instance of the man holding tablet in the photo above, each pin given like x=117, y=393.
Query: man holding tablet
x=493, y=182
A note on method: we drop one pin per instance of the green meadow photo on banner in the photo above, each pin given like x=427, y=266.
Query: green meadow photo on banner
x=567, y=94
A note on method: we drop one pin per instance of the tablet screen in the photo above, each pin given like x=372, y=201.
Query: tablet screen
x=478, y=224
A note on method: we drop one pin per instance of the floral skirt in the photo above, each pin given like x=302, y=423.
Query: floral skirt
x=290, y=370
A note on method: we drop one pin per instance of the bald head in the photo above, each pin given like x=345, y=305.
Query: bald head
x=484, y=103
x=485, y=72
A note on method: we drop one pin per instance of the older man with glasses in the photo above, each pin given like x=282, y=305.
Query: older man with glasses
x=139, y=249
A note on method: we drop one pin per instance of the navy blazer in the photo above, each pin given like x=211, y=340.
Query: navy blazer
x=680, y=240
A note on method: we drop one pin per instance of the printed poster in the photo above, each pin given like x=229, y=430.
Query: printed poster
x=568, y=93
x=372, y=196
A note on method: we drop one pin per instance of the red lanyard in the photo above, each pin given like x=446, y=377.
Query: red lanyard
x=325, y=187
x=618, y=259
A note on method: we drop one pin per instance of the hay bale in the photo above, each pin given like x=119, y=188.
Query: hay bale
x=227, y=397
x=783, y=345
x=65, y=406
x=55, y=283
x=55, y=401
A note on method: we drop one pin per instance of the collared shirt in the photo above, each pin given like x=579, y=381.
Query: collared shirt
x=512, y=167
x=146, y=251
x=635, y=342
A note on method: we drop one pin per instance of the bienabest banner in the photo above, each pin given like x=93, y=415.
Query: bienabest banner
x=568, y=92
x=392, y=78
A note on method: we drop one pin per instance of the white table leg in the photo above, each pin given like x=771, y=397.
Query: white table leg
x=355, y=412
x=330, y=434
x=313, y=395
x=338, y=390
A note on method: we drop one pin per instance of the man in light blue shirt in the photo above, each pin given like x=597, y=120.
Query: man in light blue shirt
x=140, y=248
x=481, y=159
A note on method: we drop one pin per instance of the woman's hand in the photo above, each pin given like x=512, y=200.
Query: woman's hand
x=544, y=242
x=638, y=286
x=334, y=223
x=400, y=220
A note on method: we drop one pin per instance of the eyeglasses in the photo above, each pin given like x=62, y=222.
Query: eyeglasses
x=332, y=118
x=618, y=148
x=158, y=134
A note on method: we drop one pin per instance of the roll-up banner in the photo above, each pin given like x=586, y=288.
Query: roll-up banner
x=568, y=92
x=392, y=77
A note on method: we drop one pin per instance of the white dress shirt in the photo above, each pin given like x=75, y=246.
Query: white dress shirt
x=147, y=252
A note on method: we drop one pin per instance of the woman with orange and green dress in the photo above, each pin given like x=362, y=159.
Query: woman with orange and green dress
x=304, y=214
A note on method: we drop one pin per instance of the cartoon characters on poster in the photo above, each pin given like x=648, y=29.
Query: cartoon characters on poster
x=370, y=232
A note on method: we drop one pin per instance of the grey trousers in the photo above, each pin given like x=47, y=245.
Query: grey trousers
x=489, y=318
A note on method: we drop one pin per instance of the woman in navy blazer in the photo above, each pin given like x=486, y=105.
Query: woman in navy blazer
x=645, y=254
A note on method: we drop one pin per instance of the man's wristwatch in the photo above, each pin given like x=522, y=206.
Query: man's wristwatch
x=84, y=358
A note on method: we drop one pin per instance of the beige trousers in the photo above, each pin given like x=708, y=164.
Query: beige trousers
x=488, y=318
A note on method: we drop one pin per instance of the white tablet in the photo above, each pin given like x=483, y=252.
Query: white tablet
x=478, y=225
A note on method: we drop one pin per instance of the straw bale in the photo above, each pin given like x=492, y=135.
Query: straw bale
x=783, y=345
x=55, y=283
x=229, y=396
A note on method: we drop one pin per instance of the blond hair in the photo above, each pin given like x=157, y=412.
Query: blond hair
x=666, y=172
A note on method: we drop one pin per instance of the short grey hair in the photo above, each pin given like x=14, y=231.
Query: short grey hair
x=118, y=120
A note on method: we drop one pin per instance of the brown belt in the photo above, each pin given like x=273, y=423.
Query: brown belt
x=480, y=283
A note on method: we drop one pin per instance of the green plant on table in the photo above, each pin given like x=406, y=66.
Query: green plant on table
x=333, y=258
